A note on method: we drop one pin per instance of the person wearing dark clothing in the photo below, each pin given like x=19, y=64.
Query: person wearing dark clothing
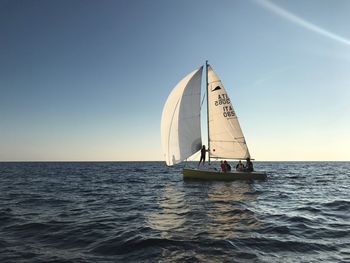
x=203, y=152
x=228, y=167
x=249, y=165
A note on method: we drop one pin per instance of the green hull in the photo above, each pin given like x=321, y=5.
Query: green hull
x=220, y=176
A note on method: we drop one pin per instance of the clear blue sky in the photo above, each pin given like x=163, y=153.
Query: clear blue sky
x=87, y=80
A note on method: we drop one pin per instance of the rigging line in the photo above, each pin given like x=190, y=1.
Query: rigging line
x=235, y=141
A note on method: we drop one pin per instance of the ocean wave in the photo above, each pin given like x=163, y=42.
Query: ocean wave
x=340, y=205
x=275, y=245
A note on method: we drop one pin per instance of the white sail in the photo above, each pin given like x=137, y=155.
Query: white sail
x=226, y=139
x=180, y=124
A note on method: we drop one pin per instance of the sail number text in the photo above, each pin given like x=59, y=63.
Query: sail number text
x=228, y=111
x=222, y=100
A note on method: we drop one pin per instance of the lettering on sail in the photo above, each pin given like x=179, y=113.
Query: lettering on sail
x=224, y=102
x=228, y=112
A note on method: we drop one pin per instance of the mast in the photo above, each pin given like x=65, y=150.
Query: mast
x=207, y=87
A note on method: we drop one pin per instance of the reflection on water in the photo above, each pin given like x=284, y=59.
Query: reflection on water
x=190, y=255
x=171, y=214
x=209, y=214
x=228, y=216
x=219, y=210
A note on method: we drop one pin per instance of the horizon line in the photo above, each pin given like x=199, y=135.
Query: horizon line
x=120, y=161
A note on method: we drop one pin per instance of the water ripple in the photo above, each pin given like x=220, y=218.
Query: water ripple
x=145, y=212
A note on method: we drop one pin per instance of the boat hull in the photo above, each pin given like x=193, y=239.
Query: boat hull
x=207, y=175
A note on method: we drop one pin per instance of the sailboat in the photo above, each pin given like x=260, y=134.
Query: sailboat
x=181, y=128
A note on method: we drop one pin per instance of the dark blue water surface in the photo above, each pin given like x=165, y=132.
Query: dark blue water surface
x=145, y=212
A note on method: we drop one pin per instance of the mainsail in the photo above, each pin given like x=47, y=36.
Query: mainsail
x=226, y=139
x=180, y=124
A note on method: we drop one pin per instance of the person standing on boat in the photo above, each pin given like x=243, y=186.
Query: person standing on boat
x=249, y=165
x=203, y=153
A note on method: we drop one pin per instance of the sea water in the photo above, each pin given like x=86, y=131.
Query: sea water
x=146, y=212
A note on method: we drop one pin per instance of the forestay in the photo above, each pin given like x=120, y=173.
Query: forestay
x=180, y=124
x=225, y=135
